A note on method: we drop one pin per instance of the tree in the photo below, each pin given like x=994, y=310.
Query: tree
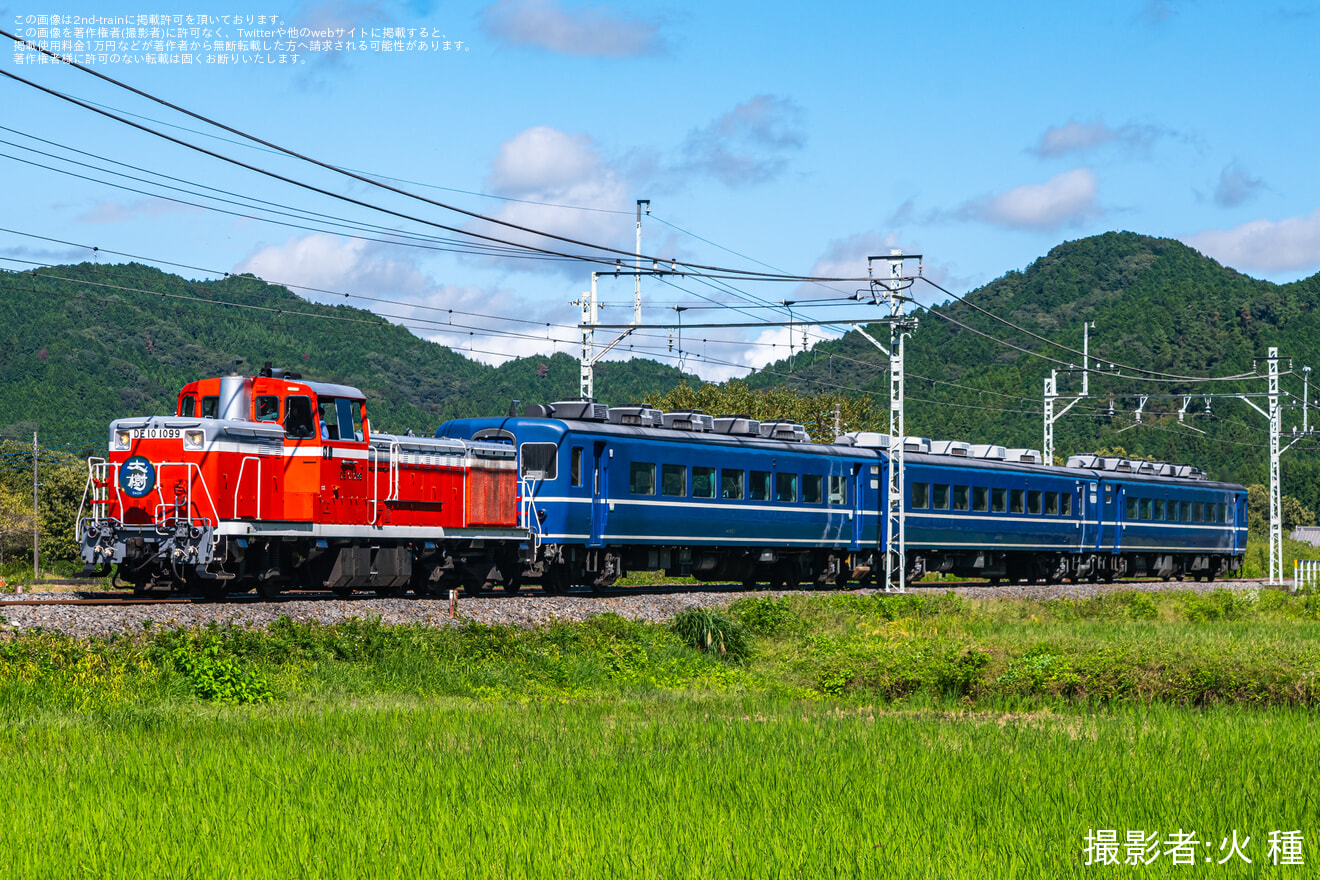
x=15, y=522
x=1258, y=511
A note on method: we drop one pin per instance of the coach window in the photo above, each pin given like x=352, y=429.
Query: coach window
x=1131, y=511
x=731, y=485
x=920, y=495
x=673, y=480
x=703, y=482
x=1198, y=511
x=1187, y=511
x=1051, y=503
x=1033, y=502
x=298, y=424
x=188, y=407
x=980, y=499
x=838, y=490
x=758, y=486
x=786, y=487
x=539, y=461
x=575, y=466
x=267, y=408
x=1221, y=512
x=1157, y=513
x=210, y=407
x=999, y=500
x=1065, y=504
x=812, y=489
x=939, y=496
x=641, y=478
x=1015, y=498
x=1146, y=508
x=959, y=497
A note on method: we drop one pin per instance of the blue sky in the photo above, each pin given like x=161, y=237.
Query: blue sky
x=765, y=135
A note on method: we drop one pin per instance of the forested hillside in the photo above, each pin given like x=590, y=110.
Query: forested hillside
x=75, y=354
x=1157, y=305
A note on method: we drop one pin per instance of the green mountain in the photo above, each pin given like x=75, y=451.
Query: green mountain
x=1157, y=304
x=82, y=345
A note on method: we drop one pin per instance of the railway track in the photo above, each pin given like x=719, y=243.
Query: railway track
x=124, y=599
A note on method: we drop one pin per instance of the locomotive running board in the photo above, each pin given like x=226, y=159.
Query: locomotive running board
x=334, y=530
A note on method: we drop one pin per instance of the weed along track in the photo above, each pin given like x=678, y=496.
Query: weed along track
x=102, y=614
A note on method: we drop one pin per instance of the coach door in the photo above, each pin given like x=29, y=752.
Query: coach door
x=600, y=501
x=1088, y=514
x=856, y=505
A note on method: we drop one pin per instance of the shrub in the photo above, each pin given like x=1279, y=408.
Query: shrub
x=711, y=632
x=763, y=615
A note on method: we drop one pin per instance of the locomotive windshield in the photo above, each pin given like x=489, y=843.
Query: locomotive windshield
x=341, y=419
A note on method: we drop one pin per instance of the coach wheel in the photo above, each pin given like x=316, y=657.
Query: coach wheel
x=555, y=580
x=512, y=585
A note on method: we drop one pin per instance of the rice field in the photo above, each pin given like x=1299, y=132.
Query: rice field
x=648, y=788
x=833, y=736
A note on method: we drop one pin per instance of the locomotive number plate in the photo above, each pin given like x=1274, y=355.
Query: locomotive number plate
x=157, y=433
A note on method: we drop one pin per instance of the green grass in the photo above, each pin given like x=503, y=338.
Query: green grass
x=640, y=788
x=834, y=735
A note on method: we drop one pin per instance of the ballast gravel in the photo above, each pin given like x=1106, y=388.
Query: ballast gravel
x=528, y=609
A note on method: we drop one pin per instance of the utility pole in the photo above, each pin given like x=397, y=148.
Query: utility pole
x=1052, y=392
x=590, y=310
x=637, y=262
x=36, y=521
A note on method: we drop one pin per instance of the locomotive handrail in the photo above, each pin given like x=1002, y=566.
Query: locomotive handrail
x=94, y=482
x=238, y=484
x=212, y=520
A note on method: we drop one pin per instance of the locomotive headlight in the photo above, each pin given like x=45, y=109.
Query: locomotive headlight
x=121, y=439
x=193, y=439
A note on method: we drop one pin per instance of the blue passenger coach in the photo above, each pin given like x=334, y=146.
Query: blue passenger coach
x=628, y=488
x=611, y=490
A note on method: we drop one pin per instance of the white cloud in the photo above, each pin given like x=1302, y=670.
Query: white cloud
x=1288, y=245
x=1076, y=137
x=1064, y=199
x=749, y=144
x=596, y=31
x=564, y=187
x=1236, y=185
x=119, y=212
x=476, y=327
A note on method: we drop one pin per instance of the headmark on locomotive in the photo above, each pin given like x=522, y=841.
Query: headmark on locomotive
x=274, y=483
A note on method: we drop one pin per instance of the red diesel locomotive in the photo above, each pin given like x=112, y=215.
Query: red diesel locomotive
x=273, y=483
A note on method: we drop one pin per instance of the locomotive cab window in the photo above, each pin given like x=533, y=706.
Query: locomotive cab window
x=267, y=408
x=920, y=495
x=838, y=490
x=575, y=466
x=731, y=485
x=341, y=419
x=210, y=407
x=758, y=486
x=188, y=406
x=786, y=487
x=641, y=478
x=939, y=496
x=999, y=500
x=1033, y=502
x=959, y=497
x=703, y=482
x=298, y=424
x=812, y=489
x=673, y=480
x=980, y=499
x=539, y=461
